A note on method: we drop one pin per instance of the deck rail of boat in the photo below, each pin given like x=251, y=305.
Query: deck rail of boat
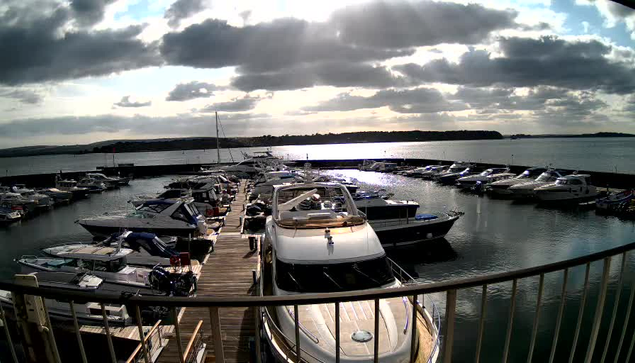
x=414, y=292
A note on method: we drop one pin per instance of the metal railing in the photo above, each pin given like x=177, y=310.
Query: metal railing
x=413, y=292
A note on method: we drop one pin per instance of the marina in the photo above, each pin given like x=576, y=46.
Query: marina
x=489, y=235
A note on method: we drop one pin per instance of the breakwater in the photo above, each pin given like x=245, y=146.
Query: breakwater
x=600, y=179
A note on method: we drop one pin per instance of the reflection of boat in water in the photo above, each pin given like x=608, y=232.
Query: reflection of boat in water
x=317, y=242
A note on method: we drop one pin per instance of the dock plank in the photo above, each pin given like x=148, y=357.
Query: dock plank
x=226, y=272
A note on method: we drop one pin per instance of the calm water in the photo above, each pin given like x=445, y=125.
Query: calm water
x=493, y=236
x=596, y=154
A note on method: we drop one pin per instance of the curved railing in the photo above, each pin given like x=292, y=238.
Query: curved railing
x=414, y=292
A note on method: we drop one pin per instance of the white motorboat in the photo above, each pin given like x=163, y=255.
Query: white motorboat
x=484, y=177
x=89, y=313
x=432, y=172
x=9, y=216
x=17, y=201
x=380, y=166
x=41, y=201
x=59, y=196
x=109, y=181
x=163, y=217
x=455, y=168
x=110, y=264
x=70, y=185
x=574, y=187
x=501, y=187
x=205, y=200
x=93, y=185
x=249, y=167
x=615, y=201
x=317, y=243
x=526, y=189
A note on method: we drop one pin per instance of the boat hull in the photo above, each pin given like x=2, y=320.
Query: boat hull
x=400, y=233
x=389, y=211
x=107, y=231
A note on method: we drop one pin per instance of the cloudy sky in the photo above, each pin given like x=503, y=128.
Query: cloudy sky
x=80, y=71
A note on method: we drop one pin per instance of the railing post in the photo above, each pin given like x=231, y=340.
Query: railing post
x=111, y=348
x=628, y=315
x=257, y=315
x=413, y=326
x=5, y=323
x=563, y=299
x=177, y=330
x=481, y=324
x=297, y=333
x=510, y=326
x=618, y=294
x=599, y=309
x=219, y=352
x=337, y=332
x=450, y=317
x=581, y=312
x=144, y=349
x=376, y=337
x=52, y=342
x=536, y=318
x=78, y=334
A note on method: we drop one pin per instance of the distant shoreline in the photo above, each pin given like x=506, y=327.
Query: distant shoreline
x=209, y=143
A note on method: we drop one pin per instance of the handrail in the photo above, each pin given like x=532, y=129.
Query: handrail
x=145, y=339
x=186, y=353
x=317, y=298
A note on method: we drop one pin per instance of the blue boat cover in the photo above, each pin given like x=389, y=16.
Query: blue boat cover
x=425, y=217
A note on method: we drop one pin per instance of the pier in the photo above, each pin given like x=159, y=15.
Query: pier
x=226, y=273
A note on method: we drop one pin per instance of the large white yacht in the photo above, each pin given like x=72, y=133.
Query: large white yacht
x=253, y=164
x=573, y=187
x=315, y=242
x=484, y=177
x=526, y=190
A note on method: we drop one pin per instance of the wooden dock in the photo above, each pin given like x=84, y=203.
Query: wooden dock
x=227, y=272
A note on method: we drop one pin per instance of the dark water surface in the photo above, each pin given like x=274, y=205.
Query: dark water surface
x=493, y=236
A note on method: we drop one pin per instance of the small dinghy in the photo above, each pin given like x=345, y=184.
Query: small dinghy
x=615, y=201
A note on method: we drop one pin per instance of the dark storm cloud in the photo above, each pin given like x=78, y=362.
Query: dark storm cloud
x=37, y=48
x=339, y=74
x=265, y=47
x=531, y=62
x=89, y=12
x=630, y=104
x=183, y=9
x=407, y=24
x=182, y=125
x=237, y=104
x=22, y=95
x=192, y=90
x=125, y=102
x=420, y=100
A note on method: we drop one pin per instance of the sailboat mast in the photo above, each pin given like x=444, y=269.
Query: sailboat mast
x=217, y=142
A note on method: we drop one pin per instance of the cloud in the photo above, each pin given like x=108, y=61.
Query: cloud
x=182, y=125
x=183, y=9
x=419, y=100
x=192, y=90
x=89, y=12
x=338, y=74
x=404, y=24
x=35, y=46
x=264, y=47
x=531, y=62
x=25, y=96
x=125, y=102
x=237, y=104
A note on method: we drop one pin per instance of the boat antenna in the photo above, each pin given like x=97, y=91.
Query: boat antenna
x=217, y=142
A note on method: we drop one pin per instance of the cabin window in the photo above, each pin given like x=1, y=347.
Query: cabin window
x=181, y=214
x=576, y=182
x=154, y=208
x=317, y=278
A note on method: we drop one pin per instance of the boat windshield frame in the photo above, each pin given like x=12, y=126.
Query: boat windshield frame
x=333, y=277
x=333, y=208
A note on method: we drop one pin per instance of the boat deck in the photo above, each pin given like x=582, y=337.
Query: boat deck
x=227, y=272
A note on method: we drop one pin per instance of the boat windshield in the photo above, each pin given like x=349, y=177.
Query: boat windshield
x=322, y=278
x=455, y=169
x=545, y=177
x=487, y=172
x=154, y=208
x=319, y=207
x=525, y=175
